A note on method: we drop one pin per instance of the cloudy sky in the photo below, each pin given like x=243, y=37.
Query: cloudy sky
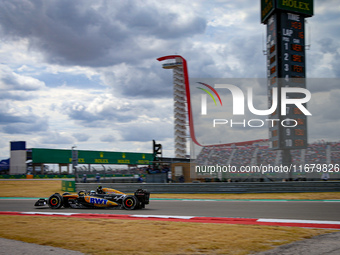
x=85, y=73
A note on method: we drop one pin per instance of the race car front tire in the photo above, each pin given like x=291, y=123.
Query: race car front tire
x=130, y=203
x=55, y=201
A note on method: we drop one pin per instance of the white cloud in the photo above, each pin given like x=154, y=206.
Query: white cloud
x=11, y=81
x=87, y=73
x=59, y=138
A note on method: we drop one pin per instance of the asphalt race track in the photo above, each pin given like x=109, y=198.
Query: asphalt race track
x=299, y=210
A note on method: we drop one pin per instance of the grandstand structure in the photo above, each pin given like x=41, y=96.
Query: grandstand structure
x=180, y=104
x=257, y=153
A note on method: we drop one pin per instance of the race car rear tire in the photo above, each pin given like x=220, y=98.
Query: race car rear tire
x=130, y=203
x=55, y=201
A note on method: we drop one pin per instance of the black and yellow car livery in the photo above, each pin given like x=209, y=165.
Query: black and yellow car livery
x=101, y=198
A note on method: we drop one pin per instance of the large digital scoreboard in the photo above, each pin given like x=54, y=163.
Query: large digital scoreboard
x=286, y=67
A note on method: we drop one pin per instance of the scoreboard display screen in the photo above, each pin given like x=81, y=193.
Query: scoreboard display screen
x=286, y=67
x=292, y=27
x=293, y=72
x=272, y=75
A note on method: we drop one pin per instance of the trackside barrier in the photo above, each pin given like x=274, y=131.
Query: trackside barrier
x=236, y=187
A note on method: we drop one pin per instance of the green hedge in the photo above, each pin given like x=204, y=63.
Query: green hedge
x=40, y=176
x=57, y=176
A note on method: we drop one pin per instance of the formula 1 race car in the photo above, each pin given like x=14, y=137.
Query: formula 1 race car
x=101, y=198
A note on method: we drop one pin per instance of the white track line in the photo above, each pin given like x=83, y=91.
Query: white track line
x=299, y=221
x=162, y=216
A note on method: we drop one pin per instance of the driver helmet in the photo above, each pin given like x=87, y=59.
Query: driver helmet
x=100, y=190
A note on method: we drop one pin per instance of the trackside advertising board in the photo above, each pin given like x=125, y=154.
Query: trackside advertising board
x=69, y=186
x=302, y=7
x=90, y=157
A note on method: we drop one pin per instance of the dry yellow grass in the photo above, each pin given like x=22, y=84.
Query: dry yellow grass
x=103, y=236
x=25, y=188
